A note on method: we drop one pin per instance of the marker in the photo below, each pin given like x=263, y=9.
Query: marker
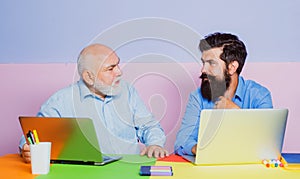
x=29, y=138
x=36, y=136
x=156, y=171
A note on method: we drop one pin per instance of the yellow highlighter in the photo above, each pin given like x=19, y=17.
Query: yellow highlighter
x=36, y=137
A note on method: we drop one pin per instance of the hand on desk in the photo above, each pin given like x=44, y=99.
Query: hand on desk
x=155, y=151
x=194, y=149
x=25, y=153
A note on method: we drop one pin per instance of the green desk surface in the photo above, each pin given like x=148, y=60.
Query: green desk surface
x=127, y=167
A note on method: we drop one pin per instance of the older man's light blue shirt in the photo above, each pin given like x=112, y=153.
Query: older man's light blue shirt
x=249, y=94
x=120, y=121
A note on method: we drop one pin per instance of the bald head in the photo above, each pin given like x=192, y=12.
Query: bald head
x=92, y=57
x=98, y=67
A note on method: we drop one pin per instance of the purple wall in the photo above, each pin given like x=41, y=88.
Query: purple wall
x=53, y=31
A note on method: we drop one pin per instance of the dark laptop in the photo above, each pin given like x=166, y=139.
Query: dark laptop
x=74, y=140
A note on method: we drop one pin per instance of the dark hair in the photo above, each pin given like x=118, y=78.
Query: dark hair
x=233, y=48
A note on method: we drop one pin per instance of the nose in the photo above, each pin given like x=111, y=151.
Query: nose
x=118, y=70
x=203, y=69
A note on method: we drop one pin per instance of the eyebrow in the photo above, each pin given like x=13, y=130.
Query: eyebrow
x=113, y=65
x=210, y=60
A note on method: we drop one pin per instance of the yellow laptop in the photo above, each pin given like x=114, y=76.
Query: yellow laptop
x=239, y=136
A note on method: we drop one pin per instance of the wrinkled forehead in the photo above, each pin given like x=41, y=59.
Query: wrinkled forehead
x=100, y=60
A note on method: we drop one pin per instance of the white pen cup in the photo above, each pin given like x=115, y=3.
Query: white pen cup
x=40, y=157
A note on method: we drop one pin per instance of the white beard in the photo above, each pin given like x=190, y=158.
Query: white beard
x=108, y=90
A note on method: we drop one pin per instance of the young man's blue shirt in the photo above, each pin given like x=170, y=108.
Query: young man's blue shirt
x=249, y=94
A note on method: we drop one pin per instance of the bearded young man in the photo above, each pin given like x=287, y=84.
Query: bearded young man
x=119, y=115
x=222, y=87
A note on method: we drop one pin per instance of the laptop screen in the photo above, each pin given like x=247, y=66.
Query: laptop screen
x=72, y=139
x=235, y=136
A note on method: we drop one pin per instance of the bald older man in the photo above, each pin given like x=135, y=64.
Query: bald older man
x=120, y=117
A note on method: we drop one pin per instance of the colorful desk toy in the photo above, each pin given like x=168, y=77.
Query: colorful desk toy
x=272, y=163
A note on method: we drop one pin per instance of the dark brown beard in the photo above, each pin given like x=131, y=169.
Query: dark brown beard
x=212, y=88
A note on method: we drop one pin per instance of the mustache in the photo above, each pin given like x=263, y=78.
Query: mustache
x=203, y=75
x=119, y=78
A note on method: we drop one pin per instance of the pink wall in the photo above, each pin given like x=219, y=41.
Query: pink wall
x=163, y=86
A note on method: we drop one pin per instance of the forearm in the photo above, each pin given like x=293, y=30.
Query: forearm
x=154, y=136
x=184, y=145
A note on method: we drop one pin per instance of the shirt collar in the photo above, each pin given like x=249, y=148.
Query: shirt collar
x=240, y=90
x=84, y=90
x=86, y=93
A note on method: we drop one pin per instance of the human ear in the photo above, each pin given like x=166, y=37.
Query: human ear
x=88, y=77
x=232, y=67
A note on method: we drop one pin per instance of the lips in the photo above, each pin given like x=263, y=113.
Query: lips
x=117, y=81
x=204, y=77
